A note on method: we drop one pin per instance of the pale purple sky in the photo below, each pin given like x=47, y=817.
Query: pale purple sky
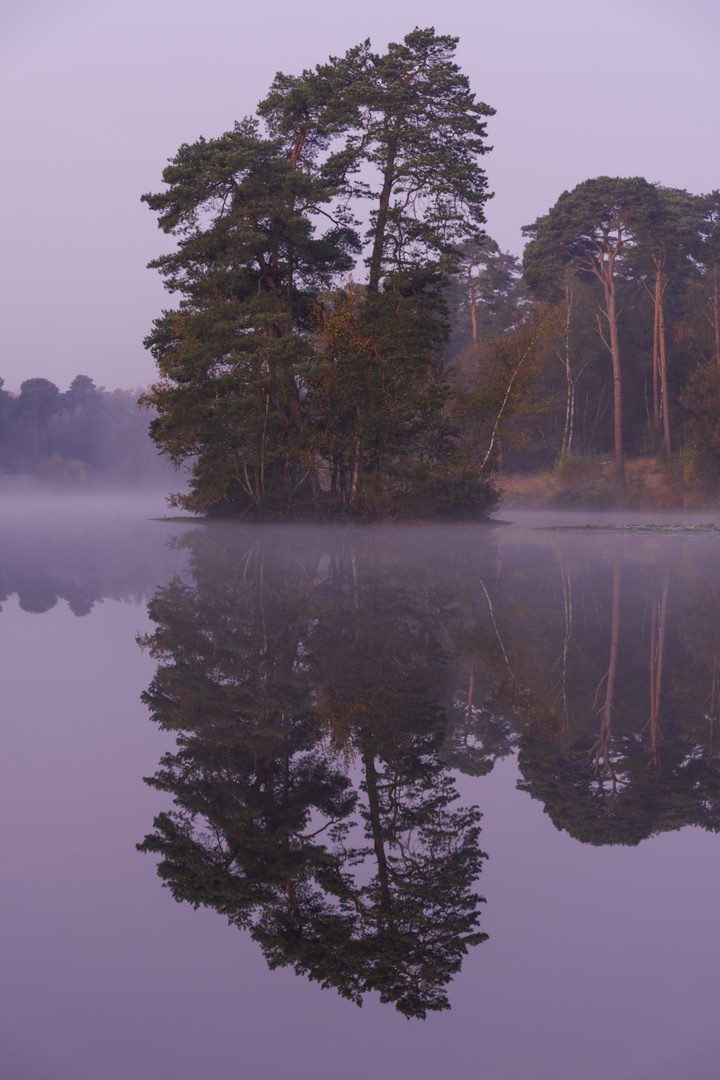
x=95, y=95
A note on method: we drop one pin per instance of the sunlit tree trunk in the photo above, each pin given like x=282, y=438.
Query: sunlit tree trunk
x=661, y=354
x=473, y=294
x=603, y=268
x=617, y=372
x=656, y=374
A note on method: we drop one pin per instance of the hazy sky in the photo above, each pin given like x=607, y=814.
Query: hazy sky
x=95, y=95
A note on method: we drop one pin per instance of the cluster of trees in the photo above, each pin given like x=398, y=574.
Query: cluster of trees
x=288, y=387
x=623, y=275
x=84, y=434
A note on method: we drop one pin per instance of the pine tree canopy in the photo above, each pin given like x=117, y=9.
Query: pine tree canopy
x=286, y=387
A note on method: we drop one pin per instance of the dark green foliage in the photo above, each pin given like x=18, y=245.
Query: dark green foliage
x=232, y=359
x=265, y=220
x=701, y=399
x=575, y=229
x=647, y=802
x=410, y=115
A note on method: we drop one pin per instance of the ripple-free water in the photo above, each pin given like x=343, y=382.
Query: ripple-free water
x=326, y=712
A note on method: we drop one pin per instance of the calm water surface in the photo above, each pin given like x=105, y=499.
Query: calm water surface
x=466, y=776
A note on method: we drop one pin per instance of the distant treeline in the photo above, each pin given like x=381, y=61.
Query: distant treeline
x=85, y=435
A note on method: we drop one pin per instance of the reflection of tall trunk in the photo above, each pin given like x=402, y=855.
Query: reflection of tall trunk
x=469, y=713
x=506, y=658
x=601, y=747
x=657, y=653
x=567, y=602
x=713, y=708
x=371, y=783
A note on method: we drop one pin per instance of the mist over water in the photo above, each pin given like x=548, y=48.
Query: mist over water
x=562, y=682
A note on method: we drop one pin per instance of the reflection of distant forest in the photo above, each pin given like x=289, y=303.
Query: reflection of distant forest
x=325, y=687
x=82, y=561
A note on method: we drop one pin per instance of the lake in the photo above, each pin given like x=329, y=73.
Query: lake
x=255, y=776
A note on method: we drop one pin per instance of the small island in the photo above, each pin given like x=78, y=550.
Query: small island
x=294, y=384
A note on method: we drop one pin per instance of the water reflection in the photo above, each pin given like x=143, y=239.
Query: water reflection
x=306, y=682
x=631, y=752
x=325, y=687
x=80, y=552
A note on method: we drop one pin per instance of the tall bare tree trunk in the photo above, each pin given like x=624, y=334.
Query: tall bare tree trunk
x=656, y=368
x=569, y=380
x=603, y=269
x=660, y=320
x=611, y=312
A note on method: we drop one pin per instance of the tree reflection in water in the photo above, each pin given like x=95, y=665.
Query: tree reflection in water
x=635, y=755
x=311, y=807
x=324, y=686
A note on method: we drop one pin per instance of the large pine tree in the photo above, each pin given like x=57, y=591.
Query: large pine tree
x=276, y=410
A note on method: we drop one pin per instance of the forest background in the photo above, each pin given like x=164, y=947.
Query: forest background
x=639, y=399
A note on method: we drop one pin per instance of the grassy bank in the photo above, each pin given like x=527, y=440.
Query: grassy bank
x=592, y=483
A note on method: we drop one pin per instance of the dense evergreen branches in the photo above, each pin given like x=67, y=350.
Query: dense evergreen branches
x=266, y=221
